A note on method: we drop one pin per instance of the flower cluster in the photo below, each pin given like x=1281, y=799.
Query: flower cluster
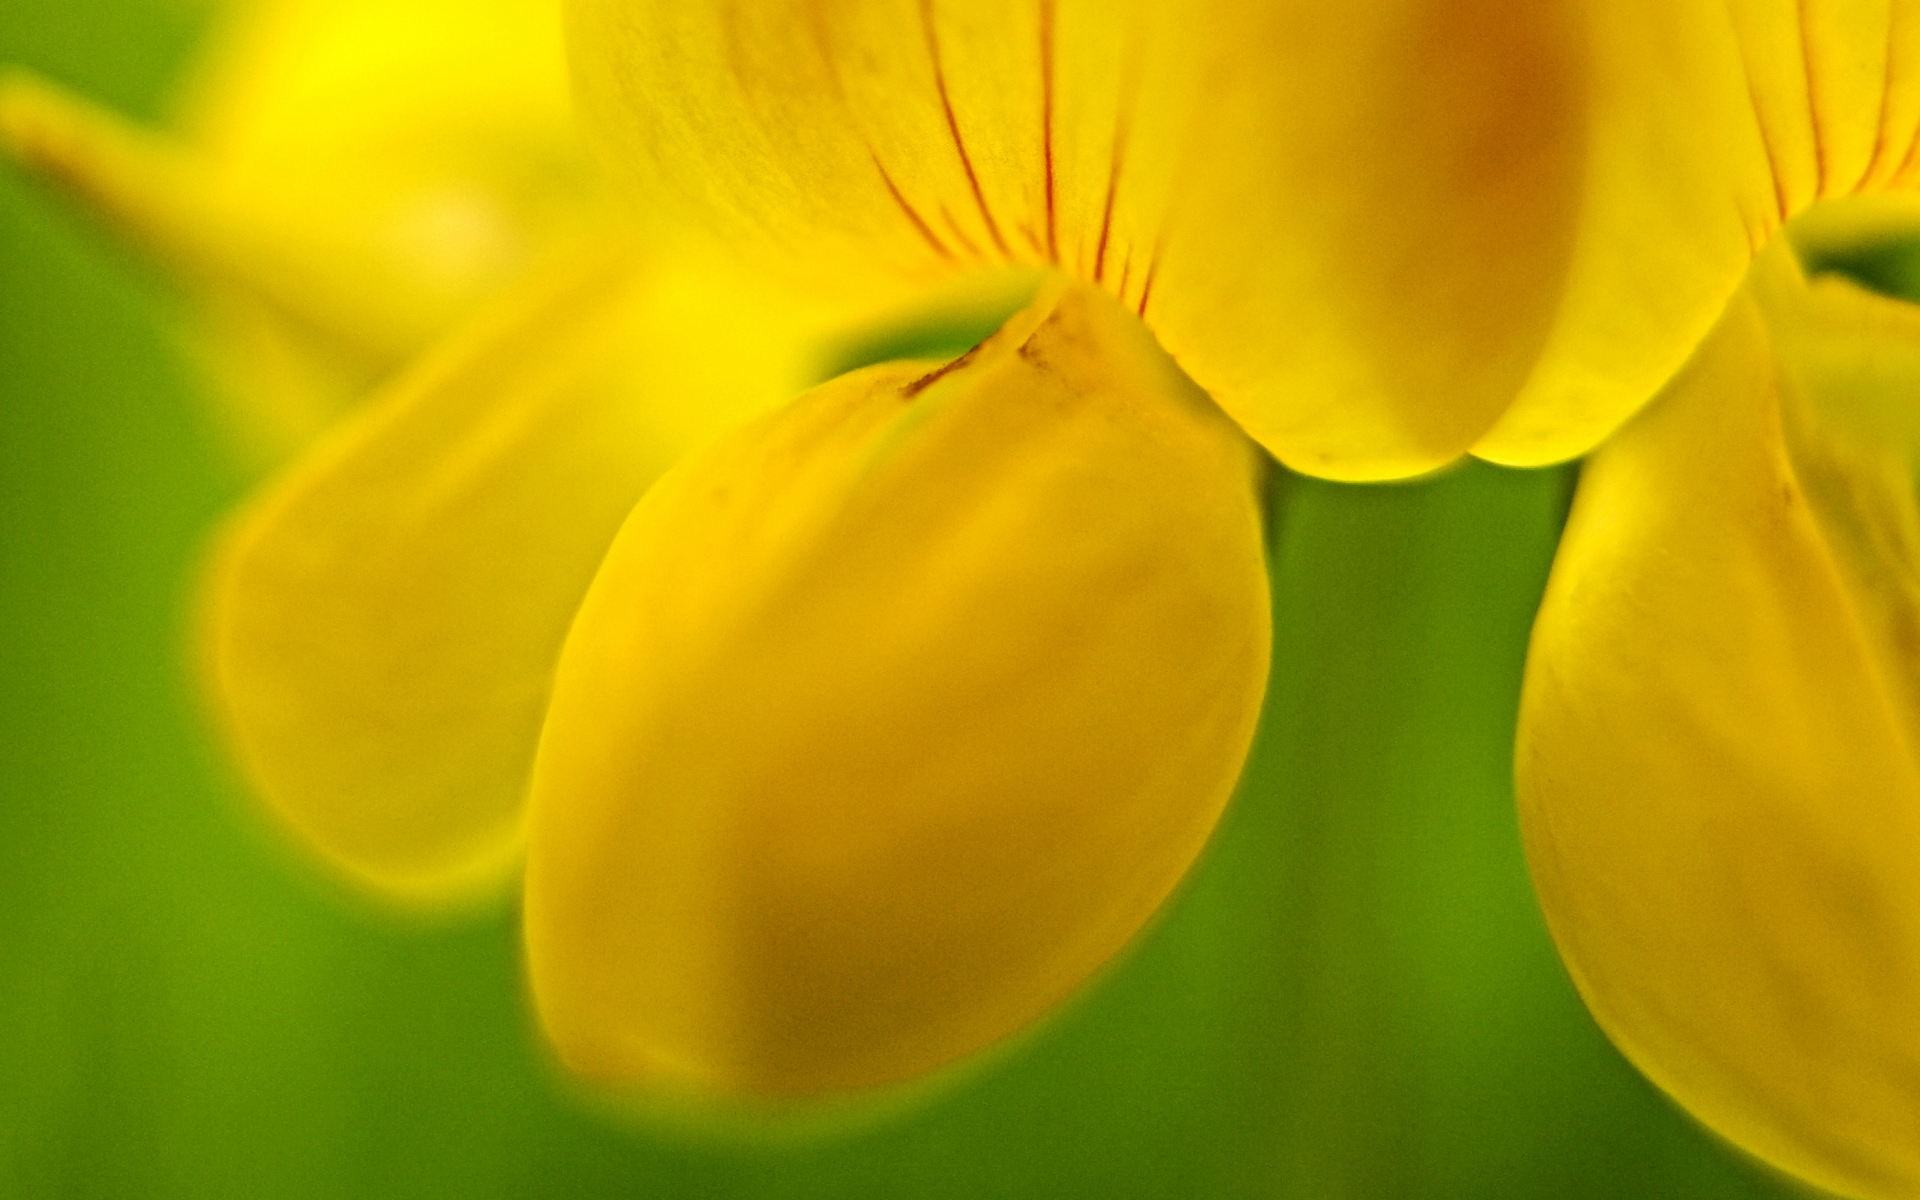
x=841, y=737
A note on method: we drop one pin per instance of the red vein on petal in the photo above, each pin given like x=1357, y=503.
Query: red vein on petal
x=1106, y=215
x=1116, y=160
x=960, y=235
x=1046, y=123
x=893, y=189
x=1153, y=270
x=953, y=128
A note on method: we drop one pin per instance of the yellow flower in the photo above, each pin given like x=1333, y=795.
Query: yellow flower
x=1380, y=235
x=886, y=721
x=887, y=718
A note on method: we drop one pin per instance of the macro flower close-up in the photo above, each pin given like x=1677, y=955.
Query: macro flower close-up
x=954, y=597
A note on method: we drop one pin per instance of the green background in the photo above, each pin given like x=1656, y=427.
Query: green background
x=1353, y=997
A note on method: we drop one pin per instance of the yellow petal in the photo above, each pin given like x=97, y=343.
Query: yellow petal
x=1716, y=760
x=438, y=134
x=1346, y=222
x=385, y=619
x=289, y=87
x=1709, y=125
x=162, y=197
x=351, y=180
x=894, y=716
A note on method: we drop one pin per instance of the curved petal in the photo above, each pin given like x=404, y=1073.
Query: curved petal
x=384, y=619
x=165, y=200
x=893, y=717
x=1347, y=222
x=1716, y=764
x=352, y=179
x=1709, y=125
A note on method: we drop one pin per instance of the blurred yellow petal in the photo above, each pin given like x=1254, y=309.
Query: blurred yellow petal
x=385, y=619
x=349, y=181
x=415, y=90
x=1347, y=222
x=1708, y=125
x=891, y=718
x=157, y=194
x=437, y=134
x=1716, y=760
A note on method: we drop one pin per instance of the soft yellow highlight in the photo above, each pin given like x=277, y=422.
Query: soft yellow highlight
x=384, y=619
x=890, y=719
x=1716, y=759
x=349, y=180
x=1346, y=222
x=337, y=285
